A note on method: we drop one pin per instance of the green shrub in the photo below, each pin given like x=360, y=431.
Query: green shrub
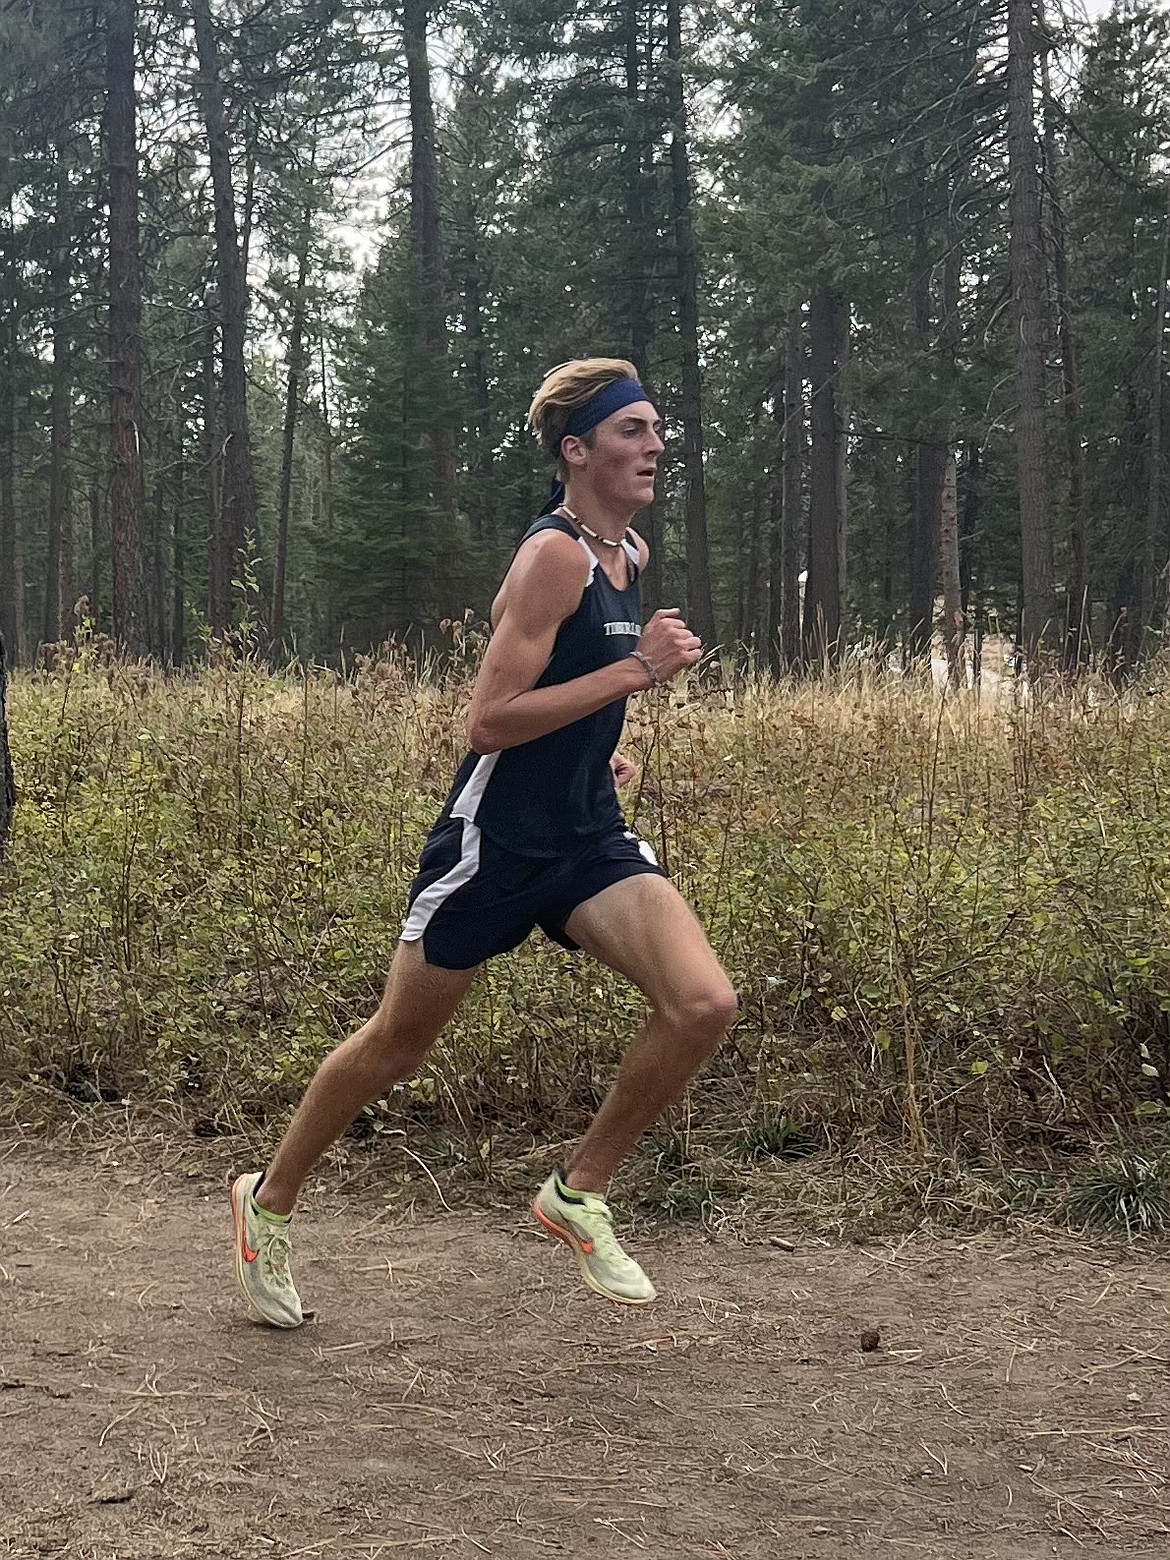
x=945, y=920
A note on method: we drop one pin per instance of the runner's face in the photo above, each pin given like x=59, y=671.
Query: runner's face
x=624, y=456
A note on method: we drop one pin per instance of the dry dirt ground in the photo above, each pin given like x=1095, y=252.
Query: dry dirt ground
x=457, y=1393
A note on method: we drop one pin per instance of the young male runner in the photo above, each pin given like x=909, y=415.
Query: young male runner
x=532, y=835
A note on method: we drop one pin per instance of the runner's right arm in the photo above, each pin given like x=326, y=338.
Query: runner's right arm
x=542, y=589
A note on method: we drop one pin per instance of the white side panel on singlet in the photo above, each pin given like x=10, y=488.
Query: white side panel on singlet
x=591, y=555
x=468, y=800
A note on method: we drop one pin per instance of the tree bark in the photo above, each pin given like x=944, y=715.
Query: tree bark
x=1076, y=637
x=954, y=621
x=330, y=624
x=125, y=327
x=1038, y=596
x=639, y=246
x=929, y=456
x=219, y=579
x=784, y=646
x=822, y=636
x=292, y=402
x=57, y=606
x=11, y=550
x=427, y=238
x=637, y=290
x=751, y=523
x=177, y=644
x=156, y=605
x=700, y=611
x=97, y=548
x=486, y=518
x=238, y=496
x=930, y=468
x=1154, y=529
x=7, y=780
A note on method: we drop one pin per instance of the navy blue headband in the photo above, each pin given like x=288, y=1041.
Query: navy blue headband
x=611, y=399
x=622, y=392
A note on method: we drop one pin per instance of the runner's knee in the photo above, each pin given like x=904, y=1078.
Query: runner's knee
x=395, y=1047
x=704, y=1014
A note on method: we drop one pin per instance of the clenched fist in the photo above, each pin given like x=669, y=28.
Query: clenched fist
x=668, y=644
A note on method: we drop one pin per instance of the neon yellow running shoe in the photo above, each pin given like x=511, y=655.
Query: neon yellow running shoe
x=262, y=1258
x=583, y=1221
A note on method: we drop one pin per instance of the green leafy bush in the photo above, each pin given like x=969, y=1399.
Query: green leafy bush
x=947, y=921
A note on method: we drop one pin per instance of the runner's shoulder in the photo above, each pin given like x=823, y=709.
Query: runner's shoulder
x=549, y=572
x=550, y=554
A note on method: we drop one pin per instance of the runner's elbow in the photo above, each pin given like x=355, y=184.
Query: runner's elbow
x=483, y=734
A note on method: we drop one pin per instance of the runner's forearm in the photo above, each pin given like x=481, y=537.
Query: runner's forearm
x=534, y=713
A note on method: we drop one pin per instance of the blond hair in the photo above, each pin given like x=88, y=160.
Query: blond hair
x=562, y=390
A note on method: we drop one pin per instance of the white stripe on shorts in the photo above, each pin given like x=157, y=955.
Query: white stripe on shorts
x=432, y=898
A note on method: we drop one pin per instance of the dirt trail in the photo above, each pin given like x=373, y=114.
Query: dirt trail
x=459, y=1394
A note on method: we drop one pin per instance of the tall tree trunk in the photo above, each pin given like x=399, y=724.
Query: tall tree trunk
x=56, y=605
x=784, y=636
x=125, y=327
x=11, y=551
x=954, y=622
x=179, y=570
x=330, y=626
x=751, y=522
x=1076, y=639
x=156, y=605
x=292, y=402
x=828, y=325
x=483, y=504
x=885, y=496
x=219, y=577
x=1154, y=537
x=929, y=456
x=638, y=248
x=969, y=521
x=637, y=290
x=700, y=611
x=97, y=550
x=795, y=533
x=930, y=468
x=7, y=780
x=68, y=571
x=238, y=497
x=1038, y=603
x=427, y=240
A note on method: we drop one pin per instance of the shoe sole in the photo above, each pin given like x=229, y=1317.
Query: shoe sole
x=562, y=1232
x=239, y=1192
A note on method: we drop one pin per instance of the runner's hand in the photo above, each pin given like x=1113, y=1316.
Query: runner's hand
x=623, y=770
x=668, y=644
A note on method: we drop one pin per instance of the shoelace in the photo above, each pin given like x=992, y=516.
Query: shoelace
x=275, y=1250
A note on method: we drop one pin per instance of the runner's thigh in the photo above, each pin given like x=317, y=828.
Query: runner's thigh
x=419, y=997
x=643, y=928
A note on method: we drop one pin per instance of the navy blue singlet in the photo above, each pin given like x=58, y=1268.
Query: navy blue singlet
x=545, y=797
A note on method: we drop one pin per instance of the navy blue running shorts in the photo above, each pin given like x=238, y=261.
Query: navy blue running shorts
x=472, y=899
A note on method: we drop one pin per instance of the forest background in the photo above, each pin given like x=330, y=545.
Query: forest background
x=276, y=286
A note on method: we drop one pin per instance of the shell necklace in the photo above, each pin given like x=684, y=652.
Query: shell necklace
x=580, y=524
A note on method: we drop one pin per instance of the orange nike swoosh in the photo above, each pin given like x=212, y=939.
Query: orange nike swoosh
x=586, y=1247
x=249, y=1254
